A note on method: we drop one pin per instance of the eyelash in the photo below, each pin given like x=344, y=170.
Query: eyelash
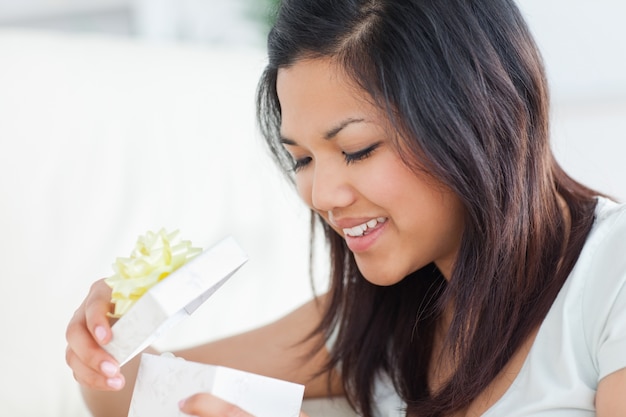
x=359, y=155
x=350, y=158
x=301, y=163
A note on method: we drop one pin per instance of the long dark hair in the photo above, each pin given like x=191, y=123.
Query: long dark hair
x=464, y=85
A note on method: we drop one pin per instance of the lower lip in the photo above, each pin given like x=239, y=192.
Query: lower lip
x=362, y=243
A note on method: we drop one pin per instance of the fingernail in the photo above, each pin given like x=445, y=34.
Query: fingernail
x=100, y=333
x=181, y=404
x=108, y=368
x=115, y=383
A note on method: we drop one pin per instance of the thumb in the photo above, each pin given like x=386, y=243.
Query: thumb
x=207, y=405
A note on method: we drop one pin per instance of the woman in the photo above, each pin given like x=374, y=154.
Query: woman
x=470, y=274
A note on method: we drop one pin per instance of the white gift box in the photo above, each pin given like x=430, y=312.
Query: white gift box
x=173, y=299
x=162, y=381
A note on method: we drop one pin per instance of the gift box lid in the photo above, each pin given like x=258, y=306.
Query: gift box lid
x=173, y=299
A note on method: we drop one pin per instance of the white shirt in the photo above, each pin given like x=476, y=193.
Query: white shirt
x=581, y=340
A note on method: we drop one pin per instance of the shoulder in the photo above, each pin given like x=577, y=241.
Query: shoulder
x=610, y=213
x=603, y=258
x=601, y=269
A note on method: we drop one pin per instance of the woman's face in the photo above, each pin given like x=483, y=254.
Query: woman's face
x=394, y=220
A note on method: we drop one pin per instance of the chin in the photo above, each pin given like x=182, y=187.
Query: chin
x=383, y=274
x=381, y=278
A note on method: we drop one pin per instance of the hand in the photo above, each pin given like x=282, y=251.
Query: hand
x=207, y=405
x=88, y=330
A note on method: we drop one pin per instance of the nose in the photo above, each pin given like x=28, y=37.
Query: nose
x=331, y=188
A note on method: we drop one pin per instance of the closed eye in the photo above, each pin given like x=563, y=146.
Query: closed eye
x=360, y=155
x=301, y=163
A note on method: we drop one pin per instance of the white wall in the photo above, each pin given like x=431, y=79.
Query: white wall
x=24, y=10
x=583, y=46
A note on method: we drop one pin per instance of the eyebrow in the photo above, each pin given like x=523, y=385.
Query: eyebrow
x=334, y=131
x=331, y=133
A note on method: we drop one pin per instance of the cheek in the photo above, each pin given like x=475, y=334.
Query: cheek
x=391, y=183
x=304, y=188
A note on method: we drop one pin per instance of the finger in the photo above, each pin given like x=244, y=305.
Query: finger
x=207, y=405
x=81, y=342
x=96, y=307
x=84, y=350
x=106, y=379
x=303, y=414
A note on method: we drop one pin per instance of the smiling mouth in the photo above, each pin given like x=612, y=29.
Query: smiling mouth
x=365, y=228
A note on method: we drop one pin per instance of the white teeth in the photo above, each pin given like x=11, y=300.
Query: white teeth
x=362, y=228
x=354, y=231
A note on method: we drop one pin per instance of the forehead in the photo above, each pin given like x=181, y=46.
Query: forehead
x=317, y=93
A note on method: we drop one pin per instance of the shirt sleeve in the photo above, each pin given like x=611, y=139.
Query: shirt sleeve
x=612, y=343
x=604, y=299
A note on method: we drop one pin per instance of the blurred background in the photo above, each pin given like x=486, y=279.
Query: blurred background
x=122, y=116
x=583, y=45
x=209, y=21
